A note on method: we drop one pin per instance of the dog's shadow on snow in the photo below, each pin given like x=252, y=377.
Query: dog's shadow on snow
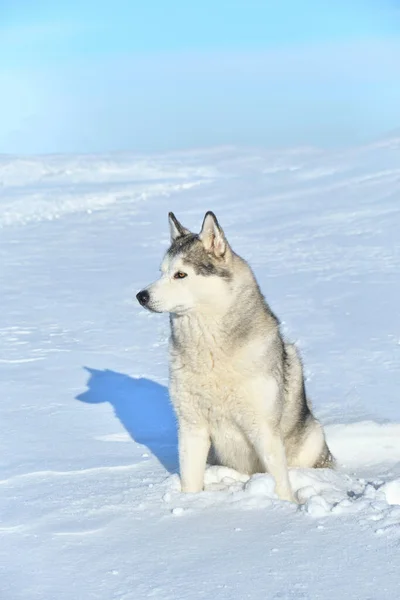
x=142, y=406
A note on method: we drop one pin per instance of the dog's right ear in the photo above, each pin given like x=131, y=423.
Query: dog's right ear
x=213, y=237
x=175, y=228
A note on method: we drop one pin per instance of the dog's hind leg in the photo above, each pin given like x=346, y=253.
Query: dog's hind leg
x=325, y=459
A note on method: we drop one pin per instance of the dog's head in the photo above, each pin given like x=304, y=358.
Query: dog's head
x=195, y=271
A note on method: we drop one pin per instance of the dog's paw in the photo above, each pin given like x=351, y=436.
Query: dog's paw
x=286, y=495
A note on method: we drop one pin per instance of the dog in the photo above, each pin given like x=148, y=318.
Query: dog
x=236, y=386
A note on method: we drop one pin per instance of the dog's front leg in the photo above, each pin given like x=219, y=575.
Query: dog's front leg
x=270, y=449
x=261, y=426
x=194, y=445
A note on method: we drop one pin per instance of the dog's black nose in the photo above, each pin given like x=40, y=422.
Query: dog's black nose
x=143, y=297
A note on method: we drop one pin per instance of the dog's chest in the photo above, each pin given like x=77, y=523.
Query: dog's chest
x=211, y=400
x=216, y=391
x=209, y=379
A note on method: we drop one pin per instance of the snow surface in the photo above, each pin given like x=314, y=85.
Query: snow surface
x=90, y=506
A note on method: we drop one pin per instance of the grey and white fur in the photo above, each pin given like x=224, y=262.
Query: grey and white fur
x=237, y=387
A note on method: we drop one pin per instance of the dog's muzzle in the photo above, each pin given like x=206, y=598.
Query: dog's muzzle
x=143, y=297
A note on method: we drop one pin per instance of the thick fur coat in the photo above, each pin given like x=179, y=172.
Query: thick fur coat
x=237, y=387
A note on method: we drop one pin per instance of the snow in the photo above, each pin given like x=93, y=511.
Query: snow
x=90, y=504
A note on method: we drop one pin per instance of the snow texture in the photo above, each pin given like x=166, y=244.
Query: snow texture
x=90, y=504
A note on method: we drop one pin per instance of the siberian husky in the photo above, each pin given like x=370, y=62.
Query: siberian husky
x=237, y=387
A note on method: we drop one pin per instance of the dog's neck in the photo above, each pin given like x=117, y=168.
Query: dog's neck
x=191, y=324
x=197, y=341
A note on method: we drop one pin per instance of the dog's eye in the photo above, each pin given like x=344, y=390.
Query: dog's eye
x=180, y=275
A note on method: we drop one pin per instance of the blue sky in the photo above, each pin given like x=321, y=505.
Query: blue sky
x=166, y=74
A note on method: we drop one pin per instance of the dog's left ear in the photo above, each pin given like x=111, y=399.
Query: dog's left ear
x=212, y=236
x=175, y=228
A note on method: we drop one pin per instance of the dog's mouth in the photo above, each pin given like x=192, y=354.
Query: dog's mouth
x=153, y=309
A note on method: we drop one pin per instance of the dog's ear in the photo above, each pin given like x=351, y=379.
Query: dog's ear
x=175, y=228
x=212, y=236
